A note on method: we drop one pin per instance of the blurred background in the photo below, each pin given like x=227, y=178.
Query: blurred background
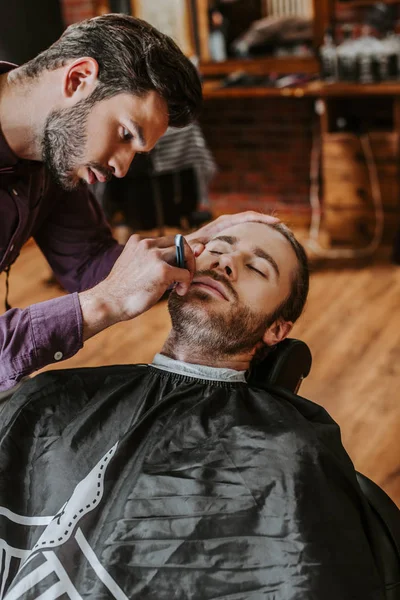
x=301, y=118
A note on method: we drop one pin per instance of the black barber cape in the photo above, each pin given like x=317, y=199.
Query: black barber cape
x=132, y=482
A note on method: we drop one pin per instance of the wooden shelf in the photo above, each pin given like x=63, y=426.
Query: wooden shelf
x=213, y=89
x=315, y=89
x=262, y=66
x=321, y=88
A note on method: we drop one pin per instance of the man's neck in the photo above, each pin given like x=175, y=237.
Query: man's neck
x=23, y=111
x=175, y=348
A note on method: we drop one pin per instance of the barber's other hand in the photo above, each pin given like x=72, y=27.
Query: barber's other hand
x=139, y=278
x=198, y=239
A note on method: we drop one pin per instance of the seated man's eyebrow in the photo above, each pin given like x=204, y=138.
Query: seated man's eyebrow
x=138, y=131
x=262, y=254
x=229, y=239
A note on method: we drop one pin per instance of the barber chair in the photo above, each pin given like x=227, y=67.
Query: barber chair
x=285, y=368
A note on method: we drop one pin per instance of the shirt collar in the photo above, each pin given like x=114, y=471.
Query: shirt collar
x=165, y=363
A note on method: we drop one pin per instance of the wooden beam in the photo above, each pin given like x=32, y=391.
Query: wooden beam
x=203, y=29
x=101, y=7
x=323, y=16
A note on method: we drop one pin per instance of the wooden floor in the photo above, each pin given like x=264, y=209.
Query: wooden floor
x=352, y=325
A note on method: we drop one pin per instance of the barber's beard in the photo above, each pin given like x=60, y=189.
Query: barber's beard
x=64, y=141
x=196, y=323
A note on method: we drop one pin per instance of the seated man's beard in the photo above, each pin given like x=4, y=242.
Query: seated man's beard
x=231, y=331
x=64, y=141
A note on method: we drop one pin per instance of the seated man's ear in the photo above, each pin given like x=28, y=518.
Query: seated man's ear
x=277, y=332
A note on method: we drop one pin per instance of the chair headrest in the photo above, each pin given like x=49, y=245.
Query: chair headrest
x=286, y=366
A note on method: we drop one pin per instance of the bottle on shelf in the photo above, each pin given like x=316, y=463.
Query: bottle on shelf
x=217, y=41
x=329, y=58
x=394, y=61
x=372, y=60
x=347, y=56
x=391, y=54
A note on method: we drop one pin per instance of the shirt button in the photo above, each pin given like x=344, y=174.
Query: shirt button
x=14, y=191
x=58, y=356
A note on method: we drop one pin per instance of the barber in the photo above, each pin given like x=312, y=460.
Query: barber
x=76, y=114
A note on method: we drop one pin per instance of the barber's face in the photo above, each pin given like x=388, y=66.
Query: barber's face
x=90, y=143
x=243, y=275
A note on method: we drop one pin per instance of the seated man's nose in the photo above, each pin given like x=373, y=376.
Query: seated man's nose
x=226, y=265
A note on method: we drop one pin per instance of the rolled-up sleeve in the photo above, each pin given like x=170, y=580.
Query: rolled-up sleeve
x=39, y=335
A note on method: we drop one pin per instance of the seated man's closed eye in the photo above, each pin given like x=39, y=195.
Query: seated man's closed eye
x=183, y=479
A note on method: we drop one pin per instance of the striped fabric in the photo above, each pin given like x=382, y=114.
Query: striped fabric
x=182, y=148
x=288, y=8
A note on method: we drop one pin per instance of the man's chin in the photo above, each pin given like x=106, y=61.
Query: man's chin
x=72, y=181
x=68, y=182
x=73, y=186
x=196, y=313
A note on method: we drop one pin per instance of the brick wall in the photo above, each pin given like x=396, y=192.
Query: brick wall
x=77, y=10
x=262, y=148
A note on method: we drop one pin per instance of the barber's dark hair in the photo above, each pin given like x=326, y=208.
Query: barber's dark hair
x=133, y=57
x=292, y=307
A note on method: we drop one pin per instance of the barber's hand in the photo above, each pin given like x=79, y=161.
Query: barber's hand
x=198, y=239
x=140, y=276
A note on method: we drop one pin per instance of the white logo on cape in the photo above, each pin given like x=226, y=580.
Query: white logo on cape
x=60, y=528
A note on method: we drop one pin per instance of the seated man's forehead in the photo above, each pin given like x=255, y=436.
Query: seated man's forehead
x=252, y=233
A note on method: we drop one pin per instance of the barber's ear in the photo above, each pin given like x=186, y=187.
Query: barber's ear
x=278, y=331
x=80, y=78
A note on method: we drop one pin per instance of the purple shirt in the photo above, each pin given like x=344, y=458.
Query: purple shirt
x=73, y=235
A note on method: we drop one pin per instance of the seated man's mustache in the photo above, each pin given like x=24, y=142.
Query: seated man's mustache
x=217, y=277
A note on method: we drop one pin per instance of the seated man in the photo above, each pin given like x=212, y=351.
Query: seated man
x=180, y=479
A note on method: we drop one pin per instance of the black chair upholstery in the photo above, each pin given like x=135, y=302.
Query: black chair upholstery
x=384, y=530
x=286, y=366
